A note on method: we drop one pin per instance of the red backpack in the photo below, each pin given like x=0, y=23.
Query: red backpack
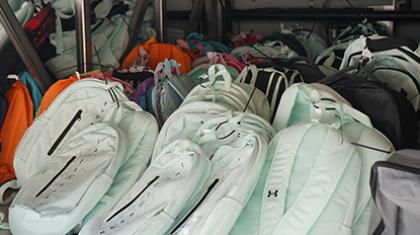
x=39, y=27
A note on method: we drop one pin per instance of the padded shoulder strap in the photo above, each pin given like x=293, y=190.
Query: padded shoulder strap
x=11, y=184
x=278, y=176
x=318, y=101
x=286, y=105
x=318, y=191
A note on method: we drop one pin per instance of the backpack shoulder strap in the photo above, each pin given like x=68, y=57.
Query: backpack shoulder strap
x=325, y=177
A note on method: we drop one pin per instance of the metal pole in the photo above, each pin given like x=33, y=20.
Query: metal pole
x=227, y=20
x=212, y=18
x=24, y=46
x=160, y=19
x=195, y=16
x=83, y=36
x=134, y=25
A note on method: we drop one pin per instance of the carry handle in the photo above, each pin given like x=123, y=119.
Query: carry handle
x=342, y=110
x=219, y=70
x=164, y=70
x=215, y=58
x=384, y=44
x=244, y=73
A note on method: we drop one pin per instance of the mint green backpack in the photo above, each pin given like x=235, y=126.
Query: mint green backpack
x=316, y=176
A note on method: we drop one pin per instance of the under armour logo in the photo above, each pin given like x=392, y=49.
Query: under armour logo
x=273, y=193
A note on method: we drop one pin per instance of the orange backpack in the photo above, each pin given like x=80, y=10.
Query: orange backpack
x=54, y=91
x=18, y=118
x=158, y=53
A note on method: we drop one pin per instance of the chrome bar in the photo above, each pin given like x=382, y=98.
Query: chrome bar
x=195, y=16
x=160, y=19
x=83, y=36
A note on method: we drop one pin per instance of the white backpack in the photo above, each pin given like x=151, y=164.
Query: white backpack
x=153, y=204
x=141, y=130
x=59, y=195
x=207, y=101
x=237, y=148
x=82, y=104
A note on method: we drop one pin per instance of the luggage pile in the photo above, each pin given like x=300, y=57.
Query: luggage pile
x=266, y=135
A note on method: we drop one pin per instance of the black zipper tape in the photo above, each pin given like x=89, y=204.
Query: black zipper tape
x=134, y=199
x=209, y=189
x=56, y=176
x=60, y=138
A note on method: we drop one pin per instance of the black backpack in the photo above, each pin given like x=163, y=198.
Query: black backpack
x=390, y=112
x=308, y=70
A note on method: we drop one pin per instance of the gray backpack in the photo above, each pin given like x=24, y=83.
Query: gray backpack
x=395, y=186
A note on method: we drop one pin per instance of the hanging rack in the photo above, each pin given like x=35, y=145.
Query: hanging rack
x=229, y=14
x=24, y=46
x=322, y=14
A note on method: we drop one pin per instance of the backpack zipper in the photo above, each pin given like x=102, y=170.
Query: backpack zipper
x=55, y=177
x=209, y=189
x=66, y=130
x=134, y=199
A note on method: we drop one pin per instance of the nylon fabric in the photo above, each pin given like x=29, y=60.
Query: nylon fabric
x=48, y=203
x=18, y=118
x=149, y=210
x=84, y=103
x=158, y=53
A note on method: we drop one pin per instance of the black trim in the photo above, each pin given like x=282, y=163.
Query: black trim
x=60, y=138
x=56, y=176
x=371, y=148
x=410, y=54
x=380, y=228
x=209, y=189
x=401, y=58
x=134, y=199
